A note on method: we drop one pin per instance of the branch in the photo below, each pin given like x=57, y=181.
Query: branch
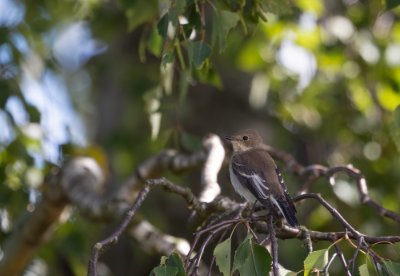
x=313, y=172
x=215, y=157
x=34, y=229
x=274, y=245
x=102, y=245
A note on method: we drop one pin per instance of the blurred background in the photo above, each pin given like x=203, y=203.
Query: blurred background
x=318, y=79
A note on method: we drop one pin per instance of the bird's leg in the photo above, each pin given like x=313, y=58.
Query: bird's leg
x=253, y=208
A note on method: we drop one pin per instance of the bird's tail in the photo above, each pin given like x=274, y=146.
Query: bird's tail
x=286, y=207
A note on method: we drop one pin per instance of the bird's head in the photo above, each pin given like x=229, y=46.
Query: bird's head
x=244, y=140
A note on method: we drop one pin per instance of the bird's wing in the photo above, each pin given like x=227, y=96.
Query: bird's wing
x=253, y=175
x=263, y=179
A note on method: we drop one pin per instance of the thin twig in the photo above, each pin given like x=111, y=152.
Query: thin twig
x=113, y=238
x=342, y=259
x=274, y=245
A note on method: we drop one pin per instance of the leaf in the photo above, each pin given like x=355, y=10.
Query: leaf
x=164, y=270
x=171, y=266
x=251, y=259
x=139, y=12
x=222, y=253
x=363, y=269
x=391, y=4
x=392, y=268
x=154, y=43
x=224, y=21
x=175, y=260
x=198, y=52
x=176, y=9
x=282, y=7
x=162, y=26
x=315, y=260
x=394, y=127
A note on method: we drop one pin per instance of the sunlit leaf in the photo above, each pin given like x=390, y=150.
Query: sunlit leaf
x=363, y=269
x=154, y=43
x=207, y=74
x=222, y=253
x=276, y=7
x=315, y=260
x=388, y=97
x=394, y=127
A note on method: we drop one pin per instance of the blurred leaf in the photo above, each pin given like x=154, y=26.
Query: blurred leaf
x=167, y=58
x=363, y=269
x=139, y=12
x=224, y=21
x=391, y=4
x=154, y=43
x=198, y=52
x=277, y=7
x=315, y=6
x=315, y=260
x=176, y=9
x=394, y=127
x=251, y=258
x=207, y=74
x=388, y=97
x=164, y=270
x=162, y=26
x=175, y=260
x=222, y=253
x=184, y=79
x=392, y=268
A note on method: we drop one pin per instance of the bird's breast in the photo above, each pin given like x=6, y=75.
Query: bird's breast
x=239, y=187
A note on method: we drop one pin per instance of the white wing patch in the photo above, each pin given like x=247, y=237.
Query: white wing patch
x=259, y=184
x=277, y=205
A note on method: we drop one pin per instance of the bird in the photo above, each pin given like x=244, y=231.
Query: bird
x=255, y=176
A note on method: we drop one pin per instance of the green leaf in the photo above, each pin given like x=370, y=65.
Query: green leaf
x=175, y=260
x=164, y=270
x=139, y=12
x=282, y=7
x=392, y=268
x=363, y=269
x=171, y=266
x=162, y=25
x=224, y=21
x=222, y=253
x=391, y=4
x=176, y=9
x=251, y=259
x=154, y=43
x=207, y=74
x=394, y=127
x=315, y=260
x=198, y=52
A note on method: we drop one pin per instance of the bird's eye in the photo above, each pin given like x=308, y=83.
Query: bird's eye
x=245, y=138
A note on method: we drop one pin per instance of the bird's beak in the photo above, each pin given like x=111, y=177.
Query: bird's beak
x=229, y=138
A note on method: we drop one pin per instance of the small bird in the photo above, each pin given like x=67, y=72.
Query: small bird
x=255, y=177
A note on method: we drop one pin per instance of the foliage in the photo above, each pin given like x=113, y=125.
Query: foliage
x=322, y=80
